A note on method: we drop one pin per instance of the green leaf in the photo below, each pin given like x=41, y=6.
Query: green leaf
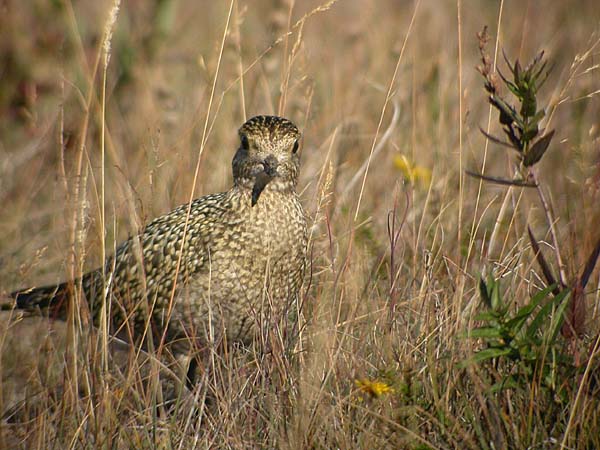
x=538, y=149
x=517, y=71
x=541, y=295
x=484, y=355
x=483, y=293
x=544, y=312
x=512, y=88
x=490, y=353
x=508, y=114
x=559, y=315
x=488, y=316
x=490, y=293
x=486, y=332
x=516, y=323
x=496, y=297
x=530, y=133
x=520, y=318
x=529, y=104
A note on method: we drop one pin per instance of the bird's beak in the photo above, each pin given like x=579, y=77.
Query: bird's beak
x=264, y=176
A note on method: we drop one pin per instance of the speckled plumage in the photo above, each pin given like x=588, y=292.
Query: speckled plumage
x=243, y=253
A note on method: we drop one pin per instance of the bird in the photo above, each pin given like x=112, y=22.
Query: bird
x=214, y=268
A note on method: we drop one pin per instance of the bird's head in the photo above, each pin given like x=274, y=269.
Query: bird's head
x=268, y=155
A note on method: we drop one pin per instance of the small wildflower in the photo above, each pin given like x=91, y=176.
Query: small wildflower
x=412, y=172
x=374, y=388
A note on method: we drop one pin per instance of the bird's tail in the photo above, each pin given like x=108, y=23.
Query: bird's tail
x=54, y=298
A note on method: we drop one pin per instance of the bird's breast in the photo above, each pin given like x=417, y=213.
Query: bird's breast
x=255, y=261
x=264, y=240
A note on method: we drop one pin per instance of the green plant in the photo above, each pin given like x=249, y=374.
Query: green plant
x=532, y=351
x=526, y=338
x=520, y=124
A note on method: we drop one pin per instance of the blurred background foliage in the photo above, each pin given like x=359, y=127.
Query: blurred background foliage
x=396, y=273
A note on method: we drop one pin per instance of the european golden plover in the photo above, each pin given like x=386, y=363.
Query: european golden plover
x=214, y=268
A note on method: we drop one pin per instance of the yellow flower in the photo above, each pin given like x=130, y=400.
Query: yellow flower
x=374, y=388
x=412, y=173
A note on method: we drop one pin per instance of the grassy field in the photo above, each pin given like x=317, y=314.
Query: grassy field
x=108, y=120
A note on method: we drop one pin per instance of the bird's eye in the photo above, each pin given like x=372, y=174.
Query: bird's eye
x=296, y=145
x=245, y=143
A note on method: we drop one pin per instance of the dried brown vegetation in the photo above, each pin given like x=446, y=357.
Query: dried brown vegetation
x=390, y=104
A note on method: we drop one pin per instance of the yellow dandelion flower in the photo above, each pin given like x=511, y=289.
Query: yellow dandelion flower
x=411, y=172
x=422, y=174
x=402, y=163
x=375, y=388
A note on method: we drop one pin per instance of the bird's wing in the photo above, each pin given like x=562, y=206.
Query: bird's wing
x=145, y=267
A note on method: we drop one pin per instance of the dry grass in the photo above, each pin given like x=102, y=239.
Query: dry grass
x=390, y=115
